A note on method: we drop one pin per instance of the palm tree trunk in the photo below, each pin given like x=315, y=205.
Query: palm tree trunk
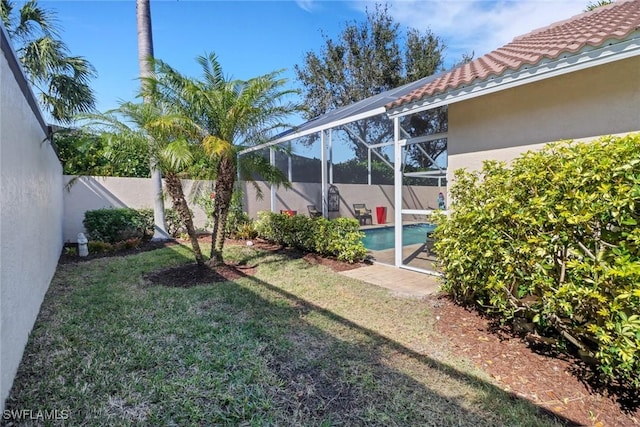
x=145, y=53
x=225, y=181
x=174, y=188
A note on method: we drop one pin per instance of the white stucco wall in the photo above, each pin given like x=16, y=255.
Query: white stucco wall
x=90, y=193
x=586, y=104
x=30, y=218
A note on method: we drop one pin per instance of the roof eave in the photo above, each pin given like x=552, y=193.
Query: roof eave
x=566, y=63
x=316, y=129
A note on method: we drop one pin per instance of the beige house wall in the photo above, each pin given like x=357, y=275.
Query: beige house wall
x=31, y=214
x=583, y=105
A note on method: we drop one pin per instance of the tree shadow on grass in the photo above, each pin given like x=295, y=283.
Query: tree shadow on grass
x=329, y=370
x=352, y=381
x=328, y=394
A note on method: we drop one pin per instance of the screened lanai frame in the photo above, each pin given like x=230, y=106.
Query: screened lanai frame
x=372, y=107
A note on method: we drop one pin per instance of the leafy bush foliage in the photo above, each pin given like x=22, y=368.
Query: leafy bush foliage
x=171, y=219
x=115, y=225
x=239, y=224
x=121, y=224
x=555, y=238
x=98, y=247
x=340, y=238
x=84, y=153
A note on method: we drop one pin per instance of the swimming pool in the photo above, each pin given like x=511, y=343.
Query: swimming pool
x=378, y=239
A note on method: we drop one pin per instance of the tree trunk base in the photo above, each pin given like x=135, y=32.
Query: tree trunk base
x=215, y=262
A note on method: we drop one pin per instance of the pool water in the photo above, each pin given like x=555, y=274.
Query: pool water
x=378, y=239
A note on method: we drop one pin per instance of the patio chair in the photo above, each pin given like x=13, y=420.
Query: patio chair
x=313, y=212
x=362, y=214
x=429, y=243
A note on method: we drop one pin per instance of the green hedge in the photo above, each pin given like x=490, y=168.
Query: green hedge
x=119, y=224
x=115, y=225
x=340, y=238
x=554, y=238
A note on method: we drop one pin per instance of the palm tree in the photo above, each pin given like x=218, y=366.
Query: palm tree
x=163, y=135
x=61, y=80
x=230, y=115
x=145, y=58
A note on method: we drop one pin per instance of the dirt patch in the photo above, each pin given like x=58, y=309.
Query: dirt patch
x=186, y=276
x=555, y=381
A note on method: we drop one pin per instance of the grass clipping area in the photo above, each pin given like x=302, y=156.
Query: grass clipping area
x=295, y=344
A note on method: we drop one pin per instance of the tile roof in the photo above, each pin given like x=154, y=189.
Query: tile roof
x=590, y=29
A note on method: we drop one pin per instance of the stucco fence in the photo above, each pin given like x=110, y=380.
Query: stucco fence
x=31, y=215
x=89, y=193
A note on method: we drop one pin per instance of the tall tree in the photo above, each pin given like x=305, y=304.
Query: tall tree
x=166, y=137
x=61, y=80
x=230, y=115
x=90, y=154
x=368, y=58
x=145, y=58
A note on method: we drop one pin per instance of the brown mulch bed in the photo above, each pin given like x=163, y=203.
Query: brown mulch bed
x=189, y=275
x=557, y=382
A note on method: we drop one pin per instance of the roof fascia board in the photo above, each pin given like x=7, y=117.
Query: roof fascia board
x=545, y=70
x=316, y=129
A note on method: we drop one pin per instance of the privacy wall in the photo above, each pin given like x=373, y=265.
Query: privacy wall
x=31, y=214
x=89, y=193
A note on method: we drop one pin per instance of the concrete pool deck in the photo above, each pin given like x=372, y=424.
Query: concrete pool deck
x=400, y=281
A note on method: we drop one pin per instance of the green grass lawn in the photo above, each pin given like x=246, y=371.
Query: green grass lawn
x=295, y=345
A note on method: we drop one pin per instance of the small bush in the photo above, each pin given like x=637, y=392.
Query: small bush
x=99, y=247
x=555, y=239
x=128, y=244
x=171, y=219
x=114, y=225
x=339, y=238
x=246, y=231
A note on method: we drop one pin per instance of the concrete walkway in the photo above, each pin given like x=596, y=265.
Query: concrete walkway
x=399, y=280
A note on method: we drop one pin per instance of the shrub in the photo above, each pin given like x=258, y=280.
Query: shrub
x=114, y=225
x=171, y=219
x=340, y=238
x=555, y=239
x=99, y=247
x=238, y=222
x=246, y=231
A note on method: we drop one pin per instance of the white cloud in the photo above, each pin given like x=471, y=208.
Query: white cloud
x=480, y=26
x=306, y=5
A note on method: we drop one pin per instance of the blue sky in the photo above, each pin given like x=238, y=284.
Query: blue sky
x=257, y=37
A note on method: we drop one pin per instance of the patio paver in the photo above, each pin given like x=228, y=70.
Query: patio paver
x=399, y=280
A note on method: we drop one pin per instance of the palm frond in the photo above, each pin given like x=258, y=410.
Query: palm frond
x=216, y=147
x=33, y=19
x=176, y=156
x=253, y=166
